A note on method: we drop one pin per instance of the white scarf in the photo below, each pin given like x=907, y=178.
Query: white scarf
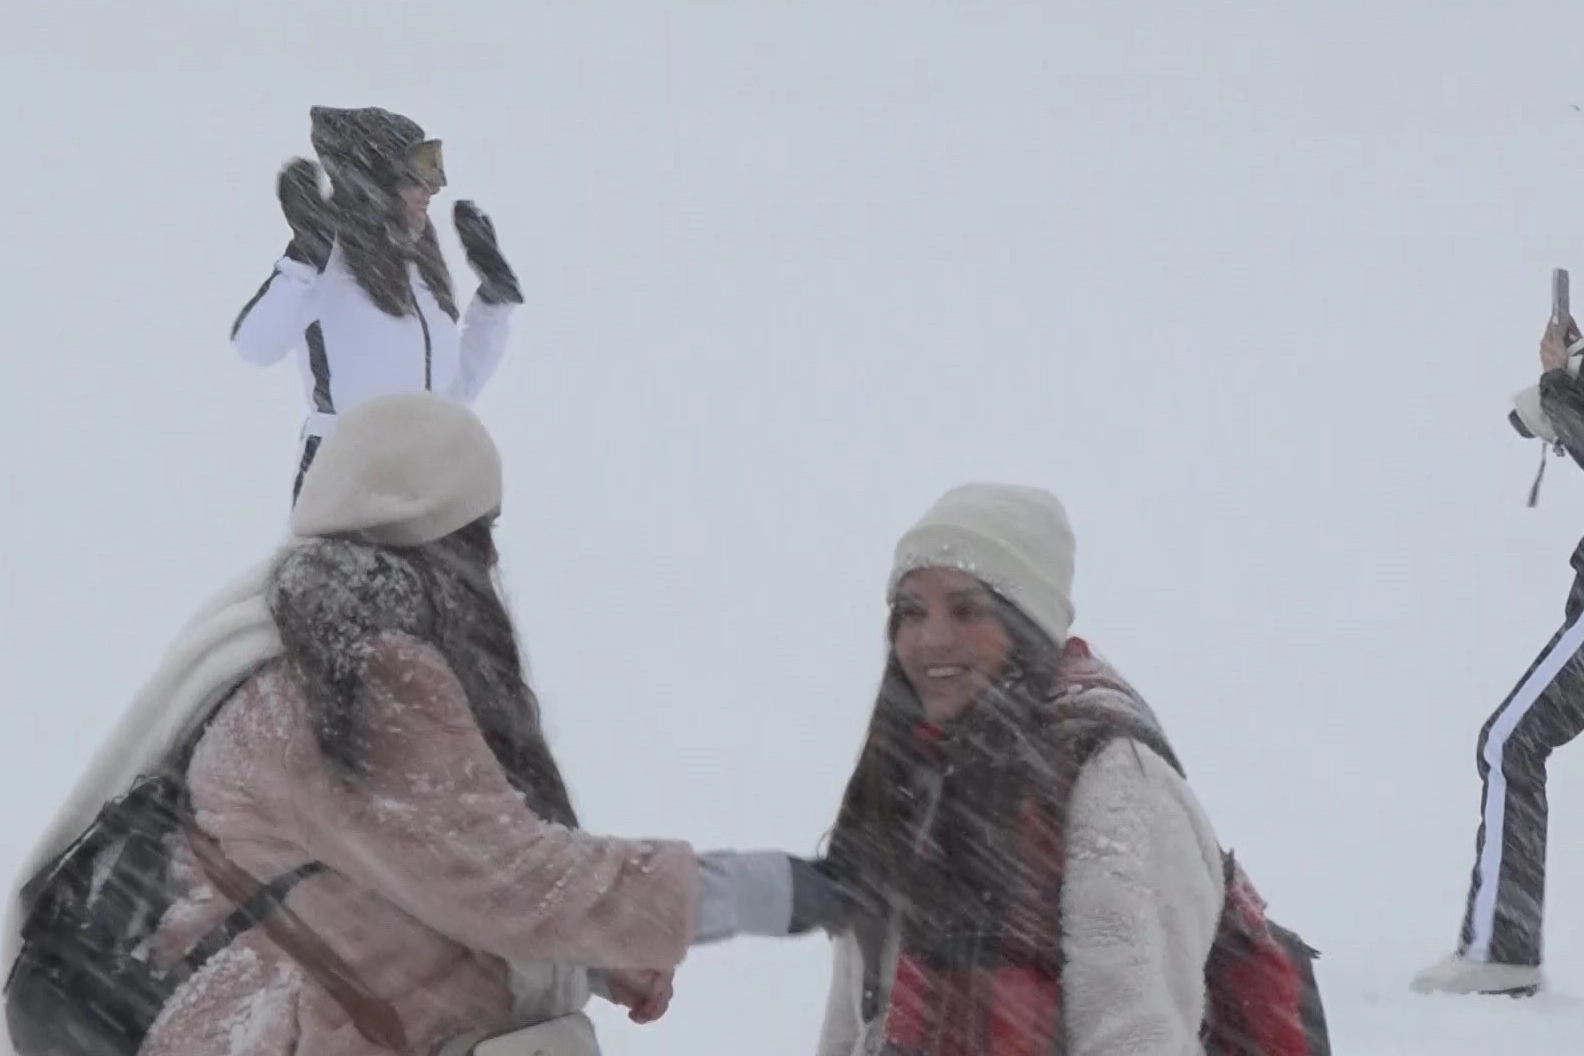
x=225, y=640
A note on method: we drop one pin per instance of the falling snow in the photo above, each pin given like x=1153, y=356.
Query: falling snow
x=1249, y=286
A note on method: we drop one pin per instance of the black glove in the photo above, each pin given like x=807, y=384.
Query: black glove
x=307, y=212
x=818, y=901
x=497, y=284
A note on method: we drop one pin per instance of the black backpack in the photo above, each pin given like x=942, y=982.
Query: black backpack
x=83, y=984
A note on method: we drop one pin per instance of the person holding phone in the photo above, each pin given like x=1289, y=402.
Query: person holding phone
x=1499, y=945
x=362, y=292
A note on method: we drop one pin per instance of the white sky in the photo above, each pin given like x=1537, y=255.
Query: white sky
x=1249, y=286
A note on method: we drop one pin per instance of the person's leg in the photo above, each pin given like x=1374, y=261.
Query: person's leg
x=1499, y=945
x=1503, y=918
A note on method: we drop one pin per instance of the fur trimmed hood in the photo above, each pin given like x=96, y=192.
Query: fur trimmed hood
x=331, y=597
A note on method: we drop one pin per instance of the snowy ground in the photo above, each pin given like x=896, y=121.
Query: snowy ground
x=1249, y=286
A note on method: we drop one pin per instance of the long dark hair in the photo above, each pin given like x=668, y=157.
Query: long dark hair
x=369, y=229
x=869, y=844
x=331, y=597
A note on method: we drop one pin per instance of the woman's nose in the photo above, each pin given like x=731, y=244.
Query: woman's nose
x=936, y=632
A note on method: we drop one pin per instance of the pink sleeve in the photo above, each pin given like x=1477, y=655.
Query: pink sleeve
x=434, y=827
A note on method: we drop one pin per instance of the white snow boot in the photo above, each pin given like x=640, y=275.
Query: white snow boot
x=1458, y=974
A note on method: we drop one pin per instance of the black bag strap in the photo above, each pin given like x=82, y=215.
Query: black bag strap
x=248, y=915
x=374, y=1017
x=251, y=912
x=263, y=905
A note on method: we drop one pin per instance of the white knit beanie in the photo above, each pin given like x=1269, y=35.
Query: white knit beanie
x=1013, y=538
x=400, y=470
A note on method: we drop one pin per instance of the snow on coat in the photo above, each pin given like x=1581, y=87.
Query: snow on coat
x=441, y=877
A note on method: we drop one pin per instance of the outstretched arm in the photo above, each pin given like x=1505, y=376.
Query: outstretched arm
x=435, y=828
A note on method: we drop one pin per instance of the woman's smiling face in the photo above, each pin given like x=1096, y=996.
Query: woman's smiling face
x=950, y=642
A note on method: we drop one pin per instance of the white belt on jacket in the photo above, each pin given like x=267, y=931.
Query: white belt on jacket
x=318, y=423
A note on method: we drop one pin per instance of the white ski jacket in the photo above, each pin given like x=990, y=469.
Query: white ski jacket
x=350, y=351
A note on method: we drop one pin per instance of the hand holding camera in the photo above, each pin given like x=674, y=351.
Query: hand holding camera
x=1559, y=337
x=1561, y=332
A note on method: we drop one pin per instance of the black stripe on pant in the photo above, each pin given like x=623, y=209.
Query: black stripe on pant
x=1545, y=710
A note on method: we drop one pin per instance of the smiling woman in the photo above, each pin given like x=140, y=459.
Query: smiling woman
x=998, y=865
x=792, y=267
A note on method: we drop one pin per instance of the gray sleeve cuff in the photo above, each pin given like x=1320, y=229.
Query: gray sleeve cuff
x=599, y=986
x=743, y=893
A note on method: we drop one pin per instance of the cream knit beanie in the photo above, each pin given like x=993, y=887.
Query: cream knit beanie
x=400, y=470
x=1015, y=539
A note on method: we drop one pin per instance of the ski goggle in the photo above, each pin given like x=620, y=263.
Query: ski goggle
x=426, y=165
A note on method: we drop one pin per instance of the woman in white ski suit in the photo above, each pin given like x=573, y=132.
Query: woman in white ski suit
x=362, y=292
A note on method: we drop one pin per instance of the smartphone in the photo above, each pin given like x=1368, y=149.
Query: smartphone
x=1559, y=296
